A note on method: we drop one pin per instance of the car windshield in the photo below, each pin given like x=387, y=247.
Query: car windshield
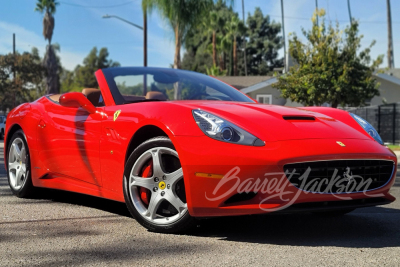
x=130, y=85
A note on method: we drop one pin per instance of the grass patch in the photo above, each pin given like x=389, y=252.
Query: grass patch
x=394, y=147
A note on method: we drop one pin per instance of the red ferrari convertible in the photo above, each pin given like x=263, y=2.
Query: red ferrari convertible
x=176, y=145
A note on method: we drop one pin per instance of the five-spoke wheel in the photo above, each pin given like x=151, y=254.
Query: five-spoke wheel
x=18, y=168
x=154, y=187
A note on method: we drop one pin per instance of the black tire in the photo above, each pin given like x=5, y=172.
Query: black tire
x=26, y=189
x=183, y=223
x=333, y=213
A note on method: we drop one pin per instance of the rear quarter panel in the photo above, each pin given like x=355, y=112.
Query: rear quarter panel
x=25, y=116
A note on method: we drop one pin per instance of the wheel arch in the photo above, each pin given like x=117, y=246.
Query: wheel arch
x=14, y=128
x=142, y=134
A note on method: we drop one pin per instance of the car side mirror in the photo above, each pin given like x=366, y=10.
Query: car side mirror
x=76, y=100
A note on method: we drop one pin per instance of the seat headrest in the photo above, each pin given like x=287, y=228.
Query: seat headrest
x=156, y=95
x=93, y=95
x=88, y=91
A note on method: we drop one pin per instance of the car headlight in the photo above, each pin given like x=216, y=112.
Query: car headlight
x=368, y=128
x=223, y=130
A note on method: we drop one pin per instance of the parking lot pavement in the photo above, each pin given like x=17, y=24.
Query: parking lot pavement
x=61, y=228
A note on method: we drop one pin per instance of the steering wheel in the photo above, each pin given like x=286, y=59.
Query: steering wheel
x=212, y=98
x=193, y=97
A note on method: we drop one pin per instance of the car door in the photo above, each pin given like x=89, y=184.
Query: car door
x=70, y=142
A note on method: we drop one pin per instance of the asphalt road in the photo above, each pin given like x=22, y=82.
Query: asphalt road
x=63, y=228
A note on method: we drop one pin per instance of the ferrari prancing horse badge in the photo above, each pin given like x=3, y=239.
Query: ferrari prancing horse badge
x=116, y=114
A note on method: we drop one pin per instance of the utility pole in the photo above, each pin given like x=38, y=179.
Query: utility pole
x=145, y=36
x=390, y=37
x=144, y=47
x=284, y=38
x=14, y=72
x=14, y=44
x=316, y=6
x=348, y=6
x=244, y=43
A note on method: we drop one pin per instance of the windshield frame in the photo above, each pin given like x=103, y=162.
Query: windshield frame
x=110, y=73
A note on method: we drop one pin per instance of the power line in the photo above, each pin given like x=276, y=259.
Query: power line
x=344, y=21
x=77, y=5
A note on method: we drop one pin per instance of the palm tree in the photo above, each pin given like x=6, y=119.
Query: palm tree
x=181, y=16
x=48, y=7
x=212, y=24
x=233, y=28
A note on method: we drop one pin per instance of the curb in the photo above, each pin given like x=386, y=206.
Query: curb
x=397, y=154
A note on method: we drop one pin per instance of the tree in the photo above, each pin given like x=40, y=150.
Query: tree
x=215, y=71
x=182, y=16
x=28, y=81
x=203, y=42
x=196, y=57
x=212, y=25
x=233, y=28
x=263, y=44
x=48, y=7
x=83, y=76
x=330, y=69
x=262, y=35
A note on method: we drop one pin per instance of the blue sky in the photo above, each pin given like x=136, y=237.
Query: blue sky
x=78, y=29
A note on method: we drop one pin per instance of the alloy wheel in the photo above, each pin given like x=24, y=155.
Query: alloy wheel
x=17, y=164
x=166, y=203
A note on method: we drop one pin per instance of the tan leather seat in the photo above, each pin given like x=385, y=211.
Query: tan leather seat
x=55, y=98
x=156, y=95
x=133, y=98
x=93, y=95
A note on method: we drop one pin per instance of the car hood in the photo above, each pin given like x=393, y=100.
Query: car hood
x=276, y=123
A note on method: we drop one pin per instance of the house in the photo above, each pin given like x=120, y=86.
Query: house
x=389, y=88
x=260, y=88
x=257, y=87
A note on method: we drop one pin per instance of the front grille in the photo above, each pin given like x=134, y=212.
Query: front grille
x=339, y=176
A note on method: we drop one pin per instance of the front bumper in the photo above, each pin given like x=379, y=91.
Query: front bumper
x=249, y=167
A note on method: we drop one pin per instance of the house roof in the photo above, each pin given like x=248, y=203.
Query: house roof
x=260, y=85
x=241, y=82
x=392, y=75
x=248, y=84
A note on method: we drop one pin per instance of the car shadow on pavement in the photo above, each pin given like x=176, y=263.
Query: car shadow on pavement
x=107, y=205
x=376, y=228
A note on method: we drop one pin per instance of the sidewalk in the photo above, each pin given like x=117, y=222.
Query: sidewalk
x=397, y=154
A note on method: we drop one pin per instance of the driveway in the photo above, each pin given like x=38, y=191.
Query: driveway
x=61, y=228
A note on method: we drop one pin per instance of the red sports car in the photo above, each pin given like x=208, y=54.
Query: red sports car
x=177, y=145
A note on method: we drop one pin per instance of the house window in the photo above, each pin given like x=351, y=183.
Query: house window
x=264, y=99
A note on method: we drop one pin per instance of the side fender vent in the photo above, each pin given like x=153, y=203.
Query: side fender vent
x=240, y=197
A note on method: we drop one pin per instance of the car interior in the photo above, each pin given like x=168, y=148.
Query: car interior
x=95, y=97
